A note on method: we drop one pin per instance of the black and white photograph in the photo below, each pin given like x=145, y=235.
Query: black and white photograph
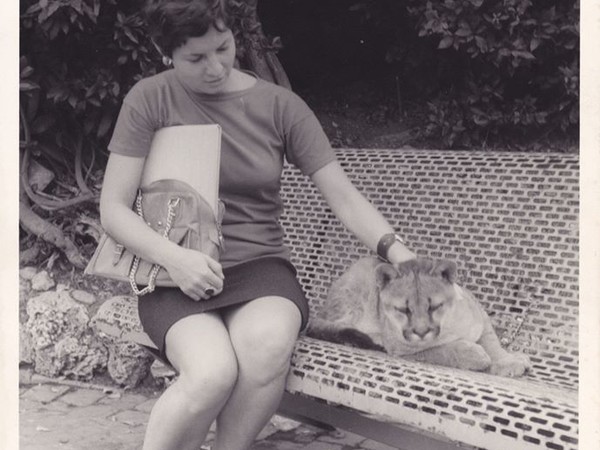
x=300, y=225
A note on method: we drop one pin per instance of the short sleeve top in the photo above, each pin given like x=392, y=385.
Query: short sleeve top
x=261, y=127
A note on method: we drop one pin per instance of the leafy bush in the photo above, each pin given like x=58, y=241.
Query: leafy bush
x=489, y=68
x=78, y=59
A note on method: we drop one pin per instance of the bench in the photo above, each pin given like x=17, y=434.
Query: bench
x=510, y=221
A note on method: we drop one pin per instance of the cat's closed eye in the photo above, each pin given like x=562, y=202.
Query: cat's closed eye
x=435, y=307
x=402, y=309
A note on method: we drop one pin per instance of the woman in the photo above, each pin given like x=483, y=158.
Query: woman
x=230, y=328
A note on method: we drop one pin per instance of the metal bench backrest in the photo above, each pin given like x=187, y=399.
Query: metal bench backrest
x=510, y=221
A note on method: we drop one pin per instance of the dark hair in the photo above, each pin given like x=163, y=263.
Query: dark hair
x=172, y=22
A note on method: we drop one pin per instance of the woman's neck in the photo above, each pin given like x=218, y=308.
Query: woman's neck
x=239, y=81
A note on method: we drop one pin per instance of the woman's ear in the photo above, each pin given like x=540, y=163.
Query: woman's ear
x=446, y=270
x=384, y=273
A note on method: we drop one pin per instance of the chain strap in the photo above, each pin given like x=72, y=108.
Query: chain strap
x=136, y=260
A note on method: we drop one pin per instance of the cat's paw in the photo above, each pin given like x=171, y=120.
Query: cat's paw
x=511, y=365
x=471, y=356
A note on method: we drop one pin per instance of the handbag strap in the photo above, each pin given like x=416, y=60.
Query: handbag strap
x=136, y=260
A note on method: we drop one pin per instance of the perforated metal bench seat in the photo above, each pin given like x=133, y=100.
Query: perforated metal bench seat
x=510, y=221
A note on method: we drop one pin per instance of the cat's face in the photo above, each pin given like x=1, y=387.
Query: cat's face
x=415, y=298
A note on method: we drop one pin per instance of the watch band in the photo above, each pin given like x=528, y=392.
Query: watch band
x=384, y=244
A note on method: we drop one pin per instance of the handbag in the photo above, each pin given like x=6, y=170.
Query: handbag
x=179, y=213
x=178, y=198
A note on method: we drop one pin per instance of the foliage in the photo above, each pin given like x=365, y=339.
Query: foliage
x=489, y=67
x=78, y=58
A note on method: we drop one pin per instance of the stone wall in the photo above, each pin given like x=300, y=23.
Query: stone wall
x=57, y=337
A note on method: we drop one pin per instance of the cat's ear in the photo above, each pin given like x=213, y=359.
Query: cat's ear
x=445, y=269
x=384, y=273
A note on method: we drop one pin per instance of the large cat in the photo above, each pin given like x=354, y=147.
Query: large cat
x=416, y=311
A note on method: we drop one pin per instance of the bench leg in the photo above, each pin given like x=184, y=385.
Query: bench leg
x=317, y=413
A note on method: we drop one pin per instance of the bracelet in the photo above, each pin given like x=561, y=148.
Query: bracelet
x=384, y=244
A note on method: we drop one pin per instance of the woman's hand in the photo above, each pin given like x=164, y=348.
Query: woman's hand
x=197, y=274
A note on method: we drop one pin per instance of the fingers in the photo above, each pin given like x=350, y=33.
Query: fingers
x=199, y=294
x=208, y=286
x=198, y=276
x=215, y=267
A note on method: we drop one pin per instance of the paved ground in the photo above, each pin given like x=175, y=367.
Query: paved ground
x=77, y=416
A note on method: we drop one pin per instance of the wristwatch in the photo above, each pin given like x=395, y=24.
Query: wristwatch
x=384, y=244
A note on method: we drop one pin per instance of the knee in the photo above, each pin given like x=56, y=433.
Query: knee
x=267, y=350
x=206, y=384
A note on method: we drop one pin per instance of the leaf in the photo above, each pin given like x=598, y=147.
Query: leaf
x=480, y=120
x=33, y=9
x=53, y=8
x=481, y=44
x=130, y=35
x=446, y=42
x=77, y=6
x=104, y=125
x=42, y=123
x=535, y=43
x=72, y=100
x=463, y=32
x=26, y=70
x=26, y=86
x=523, y=54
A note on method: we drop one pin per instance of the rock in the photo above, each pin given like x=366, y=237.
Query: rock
x=81, y=358
x=29, y=255
x=283, y=423
x=163, y=374
x=61, y=341
x=42, y=281
x=83, y=297
x=27, y=273
x=117, y=316
x=160, y=370
x=25, y=348
x=128, y=363
x=24, y=293
x=39, y=176
x=62, y=287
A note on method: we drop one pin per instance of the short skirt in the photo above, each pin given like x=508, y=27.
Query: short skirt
x=268, y=276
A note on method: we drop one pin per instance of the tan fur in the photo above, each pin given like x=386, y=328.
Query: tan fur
x=416, y=311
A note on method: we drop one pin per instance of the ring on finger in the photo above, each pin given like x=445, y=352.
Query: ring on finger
x=209, y=291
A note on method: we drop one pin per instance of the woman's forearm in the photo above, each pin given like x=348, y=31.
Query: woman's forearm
x=369, y=225
x=130, y=230
x=356, y=212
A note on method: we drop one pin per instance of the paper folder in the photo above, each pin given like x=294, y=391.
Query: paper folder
x=190, y=153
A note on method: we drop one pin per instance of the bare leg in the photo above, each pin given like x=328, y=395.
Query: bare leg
x=199, y=348
x=263, y=333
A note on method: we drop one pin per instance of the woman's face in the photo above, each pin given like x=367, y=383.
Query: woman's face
x=204, y=64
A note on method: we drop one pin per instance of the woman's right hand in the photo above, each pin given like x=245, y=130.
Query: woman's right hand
x=195, y=273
